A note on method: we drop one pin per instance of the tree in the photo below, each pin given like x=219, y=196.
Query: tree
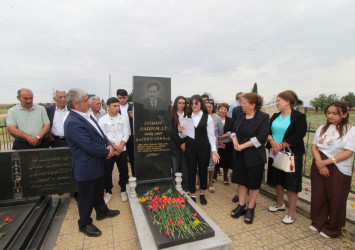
x=255, y=88
x=332, y=98
x=349, y=99
x=130, y=97
x=319, y=102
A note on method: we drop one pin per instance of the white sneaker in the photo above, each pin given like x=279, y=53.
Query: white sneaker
x=324, y=235
x=107, y=198
x=274, y=208
x=124, y=196
x=288, y=220
x=312, y=228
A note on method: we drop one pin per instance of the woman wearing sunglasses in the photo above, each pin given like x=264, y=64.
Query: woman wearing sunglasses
x=198, y=149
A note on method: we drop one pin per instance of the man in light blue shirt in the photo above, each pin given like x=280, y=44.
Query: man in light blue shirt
x=234, y=104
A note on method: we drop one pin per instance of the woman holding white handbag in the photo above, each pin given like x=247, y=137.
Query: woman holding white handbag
x=288, y=127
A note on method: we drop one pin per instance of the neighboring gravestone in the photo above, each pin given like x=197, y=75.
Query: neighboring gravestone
x=33, y=172
x=152, y=124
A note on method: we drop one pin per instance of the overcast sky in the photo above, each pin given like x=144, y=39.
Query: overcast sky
x=219, y=47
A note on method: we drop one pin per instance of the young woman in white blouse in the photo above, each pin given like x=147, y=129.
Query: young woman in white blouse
x=199, y=148
x=332, y=149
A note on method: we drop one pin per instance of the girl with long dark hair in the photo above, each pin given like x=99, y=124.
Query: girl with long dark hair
x=179, y=109
x=331, y=171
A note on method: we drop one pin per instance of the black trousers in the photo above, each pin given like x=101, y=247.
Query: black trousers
x=122, y=166
x=130, y=152
x=58, y=142
x=90, y=195
x=25, y=145
x=197, y=155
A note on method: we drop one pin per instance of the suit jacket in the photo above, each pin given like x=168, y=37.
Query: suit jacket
x=295, y=132
x=50, y=112
x=161, y=104
x=236, y=112
x=259, y=128
x=176, y=140
x=87, y=146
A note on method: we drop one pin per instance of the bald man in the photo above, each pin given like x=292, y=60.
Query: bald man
x=28, y=123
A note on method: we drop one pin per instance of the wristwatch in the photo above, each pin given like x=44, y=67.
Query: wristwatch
x=39, y=138
x=333, y=160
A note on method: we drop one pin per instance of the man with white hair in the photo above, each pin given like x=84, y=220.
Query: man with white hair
x=89, y=147
x=57, y=114
x=95, y=107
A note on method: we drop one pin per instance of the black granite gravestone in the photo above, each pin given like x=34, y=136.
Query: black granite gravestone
x=27, y=173
x=152, y=123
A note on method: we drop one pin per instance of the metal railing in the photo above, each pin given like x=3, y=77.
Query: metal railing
x=6, y=139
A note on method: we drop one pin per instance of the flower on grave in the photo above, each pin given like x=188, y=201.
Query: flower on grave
x=173, y=217
x=156, y=188
x=6, y=220
x=305, y=189
x=352, y=205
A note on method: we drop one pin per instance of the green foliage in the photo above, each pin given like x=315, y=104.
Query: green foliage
x=130, y=97
x=349, y=99
x=255, y=88
x=323, y=100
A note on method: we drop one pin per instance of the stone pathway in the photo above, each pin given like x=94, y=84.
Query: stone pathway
x=267, y=231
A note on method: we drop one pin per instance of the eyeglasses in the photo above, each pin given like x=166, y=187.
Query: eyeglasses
x=181, y=103
x=195, y=103
x=209, y=101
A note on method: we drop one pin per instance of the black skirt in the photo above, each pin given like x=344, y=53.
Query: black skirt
x=250, y=177
x=289, y=181
x=226, y=160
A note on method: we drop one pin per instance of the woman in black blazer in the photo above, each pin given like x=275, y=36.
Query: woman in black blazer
x=177, y=144
x=225, y=148
x=288, y=127
x=250, y=132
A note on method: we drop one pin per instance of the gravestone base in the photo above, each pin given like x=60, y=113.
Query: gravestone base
x=31, y=220
x=146, y=238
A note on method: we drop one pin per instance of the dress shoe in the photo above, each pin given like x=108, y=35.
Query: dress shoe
x=108, y=214
x=203, y=200
x=90, y=230
x=193, y=198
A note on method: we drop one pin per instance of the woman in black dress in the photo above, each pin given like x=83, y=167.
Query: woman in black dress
x=177, y=144
x=249, y=136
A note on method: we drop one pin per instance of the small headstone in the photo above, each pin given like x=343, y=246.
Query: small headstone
x=33, y=172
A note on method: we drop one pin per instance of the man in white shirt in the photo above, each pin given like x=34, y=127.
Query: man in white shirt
x=116, y=128
x=57, y=114
x=95, y=107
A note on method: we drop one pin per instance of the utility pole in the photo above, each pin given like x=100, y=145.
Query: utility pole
x=109, y=85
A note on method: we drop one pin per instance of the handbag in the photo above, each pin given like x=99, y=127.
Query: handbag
x=285, y=162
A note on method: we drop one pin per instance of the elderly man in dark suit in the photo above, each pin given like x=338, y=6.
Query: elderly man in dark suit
x=89, y=147
x=57, y=114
